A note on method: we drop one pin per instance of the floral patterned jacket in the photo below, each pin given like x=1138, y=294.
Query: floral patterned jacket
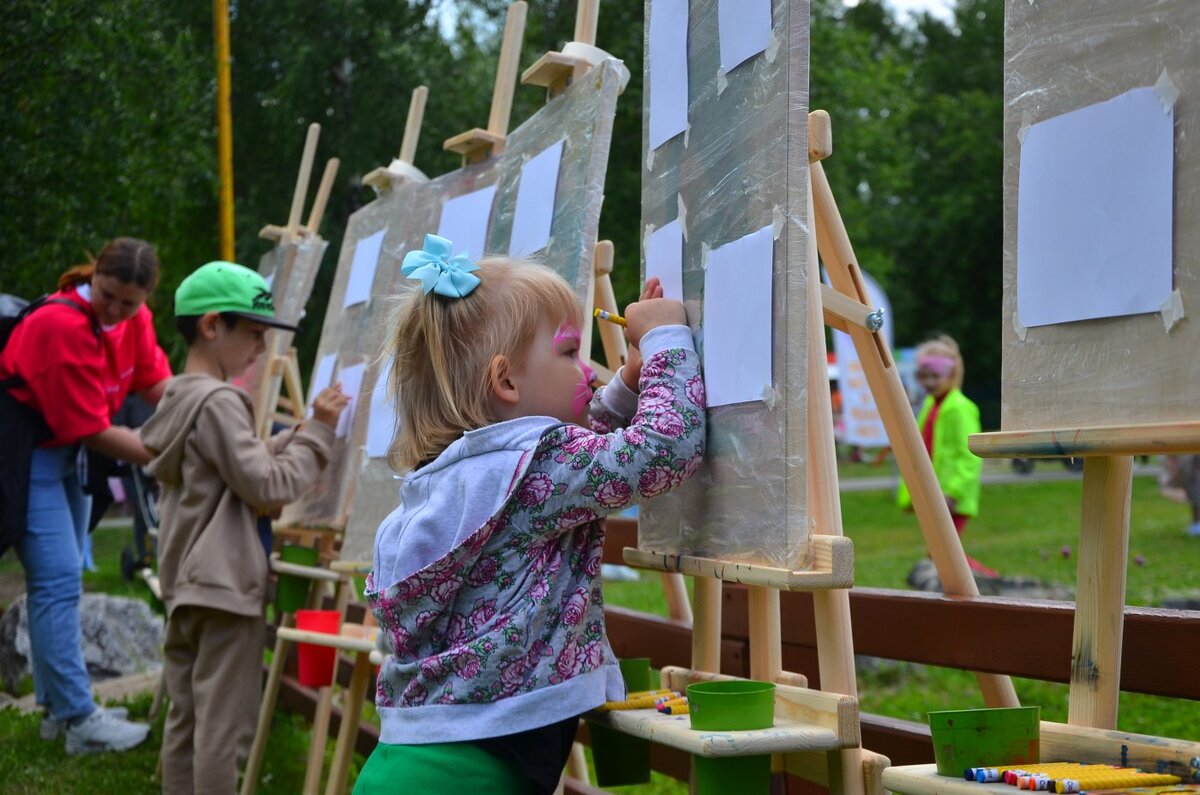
x=486, y=582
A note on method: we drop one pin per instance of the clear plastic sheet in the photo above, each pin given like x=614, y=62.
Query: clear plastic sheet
x=742, y=166
x=357, y=492
x=1061, y=56
x=291, y=269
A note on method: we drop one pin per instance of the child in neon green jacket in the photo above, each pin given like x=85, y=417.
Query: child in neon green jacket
x=946, y=419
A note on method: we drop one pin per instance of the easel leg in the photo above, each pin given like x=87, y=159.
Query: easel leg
x=1100, y=606
x=320, y=726
x=270, y=693
x=706, y=629
x=943, y=543
x=352, y=702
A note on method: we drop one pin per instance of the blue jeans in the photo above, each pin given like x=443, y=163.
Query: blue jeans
x=52, y=553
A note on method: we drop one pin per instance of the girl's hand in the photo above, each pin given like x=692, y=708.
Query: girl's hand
x=631, y=372
x=651, y=312
x=328, y=404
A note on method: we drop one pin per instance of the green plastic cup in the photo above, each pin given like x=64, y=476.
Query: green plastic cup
x=732, y=705
x=619, y=758
x=984, y=737
x=291, y=591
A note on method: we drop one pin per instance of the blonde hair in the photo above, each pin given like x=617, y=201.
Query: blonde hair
x=944, y=345
x=442, y=348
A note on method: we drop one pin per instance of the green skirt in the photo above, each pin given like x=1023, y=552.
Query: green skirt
x=439, y=768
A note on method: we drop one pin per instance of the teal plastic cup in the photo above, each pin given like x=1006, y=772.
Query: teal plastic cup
x=619, y=758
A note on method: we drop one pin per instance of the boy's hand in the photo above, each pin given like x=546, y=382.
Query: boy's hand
x=631, y=372
x=650, y=312
x=328, y=404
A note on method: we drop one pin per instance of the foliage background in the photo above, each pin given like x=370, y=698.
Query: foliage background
x=108, y=128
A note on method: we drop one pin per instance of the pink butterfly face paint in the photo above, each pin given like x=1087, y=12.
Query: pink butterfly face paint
x=567, y=338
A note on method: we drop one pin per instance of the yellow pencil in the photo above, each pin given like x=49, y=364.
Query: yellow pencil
x=611, y=317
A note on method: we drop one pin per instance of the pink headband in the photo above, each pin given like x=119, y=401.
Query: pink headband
x=942, y=365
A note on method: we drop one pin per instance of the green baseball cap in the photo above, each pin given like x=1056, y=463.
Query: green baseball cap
x=227, y=287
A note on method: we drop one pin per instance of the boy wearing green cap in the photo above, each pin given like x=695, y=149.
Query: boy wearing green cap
x=217, y=476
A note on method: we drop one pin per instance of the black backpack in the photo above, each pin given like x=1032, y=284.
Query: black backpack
x=21, y=426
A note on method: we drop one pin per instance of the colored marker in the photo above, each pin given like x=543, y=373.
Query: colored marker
x=611, y=317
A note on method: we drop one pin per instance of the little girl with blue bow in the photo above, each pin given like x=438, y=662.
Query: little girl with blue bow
x=486, y=582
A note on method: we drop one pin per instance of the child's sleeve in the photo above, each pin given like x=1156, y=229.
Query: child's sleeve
x=264, y=479
x=613, y=405
x=578, y=474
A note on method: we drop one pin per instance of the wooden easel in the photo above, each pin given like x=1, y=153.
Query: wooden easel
x=383, y=179
x=282, y=367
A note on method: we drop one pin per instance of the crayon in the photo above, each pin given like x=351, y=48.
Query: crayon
x=1113, y=780
x=611, y=317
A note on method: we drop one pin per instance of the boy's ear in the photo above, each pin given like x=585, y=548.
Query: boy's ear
x=206, y=327
x=500, y=381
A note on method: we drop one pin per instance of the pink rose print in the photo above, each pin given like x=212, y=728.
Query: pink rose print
x=415, y=694
x=669, y=423
x=401, y=639
x=467, y=665
x=695, y=391
x=635, y=437
x=656, y=397
x=535, y=489
x=655, y=480
x=573, y=517
x=424, y=618
x=613, y=493
x=575, y=608
x=481, y=615
x=655, y=367
x=484, y=571
x=592, y=564
x=513, y=674
x=432, y=670
x=591, y=656
x=582, y=440
x=567, y=664
x=540, y=648
x=692, y=465
x=445, y=590
x=456, y=629
x=539, y=590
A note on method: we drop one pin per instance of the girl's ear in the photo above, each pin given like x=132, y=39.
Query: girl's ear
x=501, y=383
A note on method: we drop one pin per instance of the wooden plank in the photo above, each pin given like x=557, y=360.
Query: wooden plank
x=1133, y=439
x=1158, y=655
x=675, y=731
x=1107, y=746
x=474, y=144
x=833, y=567
x=552, y=70
x=302, y=177
x=412, y=125
x=322, y=198
x=1100, y=591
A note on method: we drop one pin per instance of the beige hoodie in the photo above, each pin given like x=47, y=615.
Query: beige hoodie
x=216, y=477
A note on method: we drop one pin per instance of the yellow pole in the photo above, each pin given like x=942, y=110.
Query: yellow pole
x=224, y=128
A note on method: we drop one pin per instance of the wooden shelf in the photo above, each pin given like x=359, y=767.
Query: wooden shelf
x=833, y=567
x=553, y=70
x=475, y=144
x=805, y=720
x=924, y=780
x=350, y=643
x=1142, y=439
x=674, y=731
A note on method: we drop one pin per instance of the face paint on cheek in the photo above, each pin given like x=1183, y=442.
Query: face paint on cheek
x=565, y=337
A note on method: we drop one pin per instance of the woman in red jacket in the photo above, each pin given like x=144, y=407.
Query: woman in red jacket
x=75, y=359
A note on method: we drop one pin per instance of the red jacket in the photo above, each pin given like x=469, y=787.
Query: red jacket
x=76, y=381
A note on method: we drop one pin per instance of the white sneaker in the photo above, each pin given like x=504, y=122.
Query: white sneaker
x=52, y=729
x=102, y=731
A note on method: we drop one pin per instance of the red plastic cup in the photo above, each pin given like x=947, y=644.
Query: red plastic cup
x=317, y=663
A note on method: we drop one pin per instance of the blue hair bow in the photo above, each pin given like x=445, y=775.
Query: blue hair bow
x=437, y=270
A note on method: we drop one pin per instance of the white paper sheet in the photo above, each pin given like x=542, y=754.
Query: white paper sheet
x=534, y=214
x=362, y=268
x=744, y=29
x=668, y=70
x=270, y=280
x=351, y=380
x=381, y=421
x=1094, y=212
x=737, y=319
x=322, y=378
x=664, y=259
x=464, y=222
